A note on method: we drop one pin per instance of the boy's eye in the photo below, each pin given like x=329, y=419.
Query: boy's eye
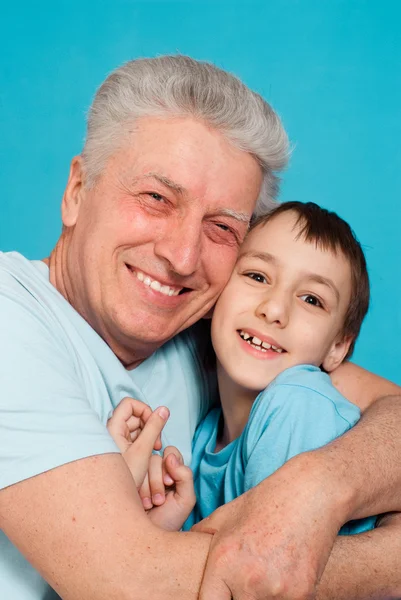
x=310, y=299
x=257, y=277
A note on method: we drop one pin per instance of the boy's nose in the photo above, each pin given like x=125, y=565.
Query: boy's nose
x=274, y=309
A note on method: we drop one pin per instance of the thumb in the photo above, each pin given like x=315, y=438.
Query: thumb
x=213, y=588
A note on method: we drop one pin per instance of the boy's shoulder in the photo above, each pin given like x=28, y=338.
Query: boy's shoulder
x=302, y=390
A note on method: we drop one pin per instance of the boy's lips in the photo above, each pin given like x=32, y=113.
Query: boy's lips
x=260, y=341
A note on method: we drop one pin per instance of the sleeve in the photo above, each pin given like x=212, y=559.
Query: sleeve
x=286, y=421
x=45, y=417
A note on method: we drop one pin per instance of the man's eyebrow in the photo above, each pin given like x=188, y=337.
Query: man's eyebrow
x=176, y=187
x=239, y=216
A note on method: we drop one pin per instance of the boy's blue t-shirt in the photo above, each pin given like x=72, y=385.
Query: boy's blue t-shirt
x=59, y=383
x=299, y=411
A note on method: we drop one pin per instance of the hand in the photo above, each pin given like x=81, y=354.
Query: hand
x=274, y=541
x=137, y=432
x=168, y=492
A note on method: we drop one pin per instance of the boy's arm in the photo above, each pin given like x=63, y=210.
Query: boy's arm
x=313, y=494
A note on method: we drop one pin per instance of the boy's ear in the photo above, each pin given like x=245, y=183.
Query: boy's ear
x=337, y=353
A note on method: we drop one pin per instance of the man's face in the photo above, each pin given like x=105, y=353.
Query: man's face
x=283, y=306
x=151, y=246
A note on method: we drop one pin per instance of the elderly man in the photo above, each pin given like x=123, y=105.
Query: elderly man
x=178, y=156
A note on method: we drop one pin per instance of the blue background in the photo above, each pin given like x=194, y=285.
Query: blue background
x=332, y=69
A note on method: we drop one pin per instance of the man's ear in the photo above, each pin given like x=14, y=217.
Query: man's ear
x=337, y=353
x=73, y=193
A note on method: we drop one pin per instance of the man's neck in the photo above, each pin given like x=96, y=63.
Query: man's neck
x=236, y=403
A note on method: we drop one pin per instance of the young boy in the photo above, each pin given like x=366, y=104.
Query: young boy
x=289, y=315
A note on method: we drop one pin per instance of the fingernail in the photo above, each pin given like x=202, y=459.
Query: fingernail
x=147, y=503
x=157, y=499
x=174, y=460
x=168, y=480
x=163, y=412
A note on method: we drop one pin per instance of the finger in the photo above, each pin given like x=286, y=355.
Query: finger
x=214, y=588
x=134, y=423
x=131, y=407
x=170, y=450
x=152, y=429
x=137, y=456
x=211, y=524
x=183, y=479
x=156, y=484
x=145, y=495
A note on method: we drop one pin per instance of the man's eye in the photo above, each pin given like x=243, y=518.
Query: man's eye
x=256, y=277
x=156, y=196
x=223, y=226
x=310, y=299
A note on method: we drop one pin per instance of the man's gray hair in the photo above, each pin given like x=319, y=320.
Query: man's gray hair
x=181, y=86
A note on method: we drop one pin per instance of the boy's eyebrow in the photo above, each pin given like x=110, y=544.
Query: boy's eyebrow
x=269, y=258
x=266, y=256
x=325, y=281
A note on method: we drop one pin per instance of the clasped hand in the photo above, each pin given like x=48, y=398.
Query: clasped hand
x=164, y=483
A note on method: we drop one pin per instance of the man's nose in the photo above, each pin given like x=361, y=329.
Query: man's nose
x=274, y=308
x=181, y=246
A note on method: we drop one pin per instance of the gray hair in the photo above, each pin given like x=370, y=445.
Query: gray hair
x=180, y=85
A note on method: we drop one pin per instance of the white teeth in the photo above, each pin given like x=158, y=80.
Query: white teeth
x=255, y=341
x=156, y=285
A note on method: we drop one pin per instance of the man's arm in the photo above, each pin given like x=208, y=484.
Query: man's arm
x=280, y=534
x=365, y=566
x=360, y=386
x=82, y=526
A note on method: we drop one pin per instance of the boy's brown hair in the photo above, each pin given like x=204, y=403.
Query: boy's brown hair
x=329, y=232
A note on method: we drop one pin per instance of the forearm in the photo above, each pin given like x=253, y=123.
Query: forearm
x=365, y=566
x=362, y=468
x=82, y=526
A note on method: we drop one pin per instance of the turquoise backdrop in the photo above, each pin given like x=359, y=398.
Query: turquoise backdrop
x=332, y=69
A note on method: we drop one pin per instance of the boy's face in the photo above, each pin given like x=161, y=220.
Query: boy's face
x=283, y=306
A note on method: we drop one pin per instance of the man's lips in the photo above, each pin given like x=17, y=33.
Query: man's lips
x=162, y=287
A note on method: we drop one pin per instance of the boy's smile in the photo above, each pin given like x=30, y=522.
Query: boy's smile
x=284, y=305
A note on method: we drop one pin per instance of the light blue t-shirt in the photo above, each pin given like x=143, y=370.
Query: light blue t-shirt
x=299, y=411
x=59, y=383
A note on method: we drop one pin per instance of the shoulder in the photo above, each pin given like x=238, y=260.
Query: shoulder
x=300, y=394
